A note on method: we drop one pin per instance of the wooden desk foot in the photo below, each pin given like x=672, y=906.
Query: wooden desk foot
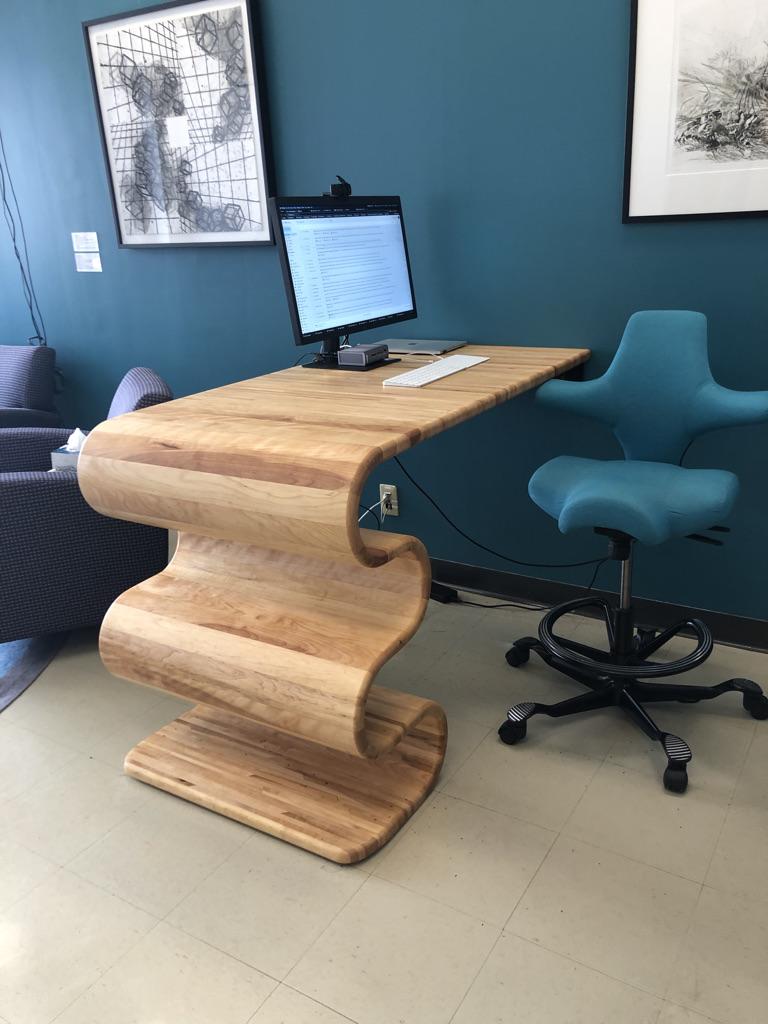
x=338, y=805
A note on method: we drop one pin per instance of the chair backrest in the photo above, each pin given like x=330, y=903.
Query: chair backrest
x=138, y=389
x=658, y=394
x=27, y=377
x=660, y=367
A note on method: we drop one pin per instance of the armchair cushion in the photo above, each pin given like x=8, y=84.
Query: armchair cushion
x=28, y=418
x=29, y=448
x=63, y=563
x=27, y=377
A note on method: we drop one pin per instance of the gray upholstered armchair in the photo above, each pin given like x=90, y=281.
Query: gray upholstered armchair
x=27, y=379
x=61, y=563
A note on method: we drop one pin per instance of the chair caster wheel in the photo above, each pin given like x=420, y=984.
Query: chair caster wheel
x=517, y=656
x=512, y=732
x=756, y=704
x=676, y=778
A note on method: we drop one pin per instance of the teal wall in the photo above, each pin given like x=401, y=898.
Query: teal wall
x=501, y=124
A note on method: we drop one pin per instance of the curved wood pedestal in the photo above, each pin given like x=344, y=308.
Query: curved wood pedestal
x=277, y=611
x=334, y=804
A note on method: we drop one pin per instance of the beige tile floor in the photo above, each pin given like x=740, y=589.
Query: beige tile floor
x=551, y=883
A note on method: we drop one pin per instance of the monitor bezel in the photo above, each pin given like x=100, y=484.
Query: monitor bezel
x=332, y=203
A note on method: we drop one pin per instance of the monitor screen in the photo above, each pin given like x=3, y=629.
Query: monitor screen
x=345, y=263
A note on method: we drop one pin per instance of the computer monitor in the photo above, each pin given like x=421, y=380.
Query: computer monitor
x=345, y=266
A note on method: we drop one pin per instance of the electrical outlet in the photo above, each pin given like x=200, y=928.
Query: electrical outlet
x=388, y=498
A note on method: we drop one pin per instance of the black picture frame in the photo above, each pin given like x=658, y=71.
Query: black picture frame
x=263, y=149
x=656, y=218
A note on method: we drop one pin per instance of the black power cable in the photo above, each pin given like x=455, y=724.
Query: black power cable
x=27, y=285
x=483, y=547
x=507, y=604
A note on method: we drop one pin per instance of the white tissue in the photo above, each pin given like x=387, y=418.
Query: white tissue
x=75, y=441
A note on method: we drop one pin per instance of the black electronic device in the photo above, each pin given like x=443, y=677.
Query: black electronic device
x=345, y=267
x=340, y=188
x=361, y=357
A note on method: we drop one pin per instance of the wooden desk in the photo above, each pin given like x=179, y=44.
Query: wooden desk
x=277, y=610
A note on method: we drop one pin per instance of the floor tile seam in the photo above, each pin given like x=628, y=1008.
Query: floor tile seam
x=107, y=969
x=475, y=976
x=311, y=945
x=736, y=895
x=433, y=899
x=222, y=952
x=108, y=892
x=706, y=1016
x=99, y=839
x=495, y=810
x=591, y=967
x=314, y=999
x=258, y=1009
x=466, y=718
x=62, y=864
x=632, y=860
x=458, y=767
x=441, y=903
x=201, y=881
x=72, y=751
x=598, y=765
x=721, y=797
x=532, y=879
x=54, y=869
x=729, y=807
x=485, y=807
x=675, y=959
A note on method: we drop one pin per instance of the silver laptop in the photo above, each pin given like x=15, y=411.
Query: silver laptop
x=404, y=346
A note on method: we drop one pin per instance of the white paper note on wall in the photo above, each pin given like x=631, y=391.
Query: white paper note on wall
x=85, y=241
x=88, y=263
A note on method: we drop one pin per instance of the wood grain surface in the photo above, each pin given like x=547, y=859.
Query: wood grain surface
x=277, y=609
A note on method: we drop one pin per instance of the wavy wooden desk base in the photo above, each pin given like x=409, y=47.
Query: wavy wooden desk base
x=277, y=610
x=338, y=805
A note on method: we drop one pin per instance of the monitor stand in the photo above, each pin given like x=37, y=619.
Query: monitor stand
x=328, y=357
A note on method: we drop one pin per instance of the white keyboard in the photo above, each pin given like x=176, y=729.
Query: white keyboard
x=433, y=371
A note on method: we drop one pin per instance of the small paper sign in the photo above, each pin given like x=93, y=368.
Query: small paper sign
x=88, y=262
x=85, y=241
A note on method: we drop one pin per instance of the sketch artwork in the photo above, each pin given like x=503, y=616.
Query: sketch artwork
x=721, y=114
x=697, y=112
x=181, y=124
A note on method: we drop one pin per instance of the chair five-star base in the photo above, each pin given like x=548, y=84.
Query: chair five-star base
x=623, y=675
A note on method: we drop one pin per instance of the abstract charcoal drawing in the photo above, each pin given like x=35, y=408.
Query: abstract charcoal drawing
x=697, y=112
x=181, y=124
x=721, y=114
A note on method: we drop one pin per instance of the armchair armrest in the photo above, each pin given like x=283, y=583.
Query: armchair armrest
x=29, y=448
x=28, y=418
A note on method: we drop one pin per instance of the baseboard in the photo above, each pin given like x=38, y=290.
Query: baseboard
x=737, y=630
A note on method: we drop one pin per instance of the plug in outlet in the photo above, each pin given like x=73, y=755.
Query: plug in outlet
x=388, y=498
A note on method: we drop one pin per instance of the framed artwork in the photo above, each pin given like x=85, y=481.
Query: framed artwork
x=176, y=89
x=697, y=124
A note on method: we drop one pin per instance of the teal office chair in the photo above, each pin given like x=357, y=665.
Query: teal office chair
x=657, y=396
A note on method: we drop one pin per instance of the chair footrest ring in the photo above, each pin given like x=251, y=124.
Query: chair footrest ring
x=621, y=666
